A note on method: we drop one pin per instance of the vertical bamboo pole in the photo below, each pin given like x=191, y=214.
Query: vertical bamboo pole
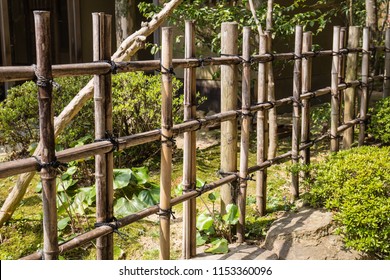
x=350, y=93
x=229, y=83
x=306, y=87
x=342, y=69
x=261, y=175
x=272, y=113
x=100, y=129
x=386, y=82
x=189, y=151
x=297, y=89
x=109, y=131
x=166, y=137
x=46, y=129
x=335, y=112
x=245, y=130
x=364, y=92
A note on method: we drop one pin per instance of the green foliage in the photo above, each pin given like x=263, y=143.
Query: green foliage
x=19, y=123
x=209, y=15
x=136, y=108
x=356, y=184
x=320, y=118
x=379, y=125
x=133, y=192
x=215, y=229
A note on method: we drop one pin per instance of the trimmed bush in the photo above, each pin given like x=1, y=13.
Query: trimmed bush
x=356, y=185
x=379, y=125
x=136, y=108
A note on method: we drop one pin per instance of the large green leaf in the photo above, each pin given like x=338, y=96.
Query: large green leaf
x=218, y=246
x=90, y=194
x=63, y=223
x=204, y=222
x=231, y=216
x=124, y=207
x=200, y=240
x=122, y=178
x=141, y=175
x=149, y=197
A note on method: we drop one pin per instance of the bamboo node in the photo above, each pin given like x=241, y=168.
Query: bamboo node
x=55, y=164
x=166, y=213
x=114, y=224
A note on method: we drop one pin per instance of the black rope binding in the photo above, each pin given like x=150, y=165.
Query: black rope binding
x=115, y=227
x=166, y=212
x=201, y=189
x=202, y=60
x=267, y=102
x=170, y=141
x=55, y=164
x=166, y=71
x=110, y=137
x=44, y=82
x=200, y=122
x=296, y=101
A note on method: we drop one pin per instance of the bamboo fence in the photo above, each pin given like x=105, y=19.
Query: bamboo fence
x=342, y=82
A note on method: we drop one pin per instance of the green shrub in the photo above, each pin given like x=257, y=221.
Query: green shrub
x=356, y=185
x=136, y=108
x=379, y=125
x=19, y=123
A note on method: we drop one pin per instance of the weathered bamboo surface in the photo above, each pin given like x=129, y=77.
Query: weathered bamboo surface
x=46, y=131
x=297, y=90
x=24, y=73
x=229, y=100
x=15, y=167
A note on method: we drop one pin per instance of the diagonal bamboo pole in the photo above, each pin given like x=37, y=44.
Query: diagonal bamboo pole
x=127, y=49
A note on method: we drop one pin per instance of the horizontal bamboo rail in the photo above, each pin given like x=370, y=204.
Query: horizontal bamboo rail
x=24, y=73
x=20, y=166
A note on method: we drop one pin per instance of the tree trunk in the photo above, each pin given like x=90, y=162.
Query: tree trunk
x=371, y=17
x=125, y=16
x=128, y=48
